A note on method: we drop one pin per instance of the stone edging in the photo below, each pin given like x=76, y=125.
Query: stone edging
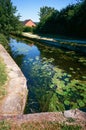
x=15, y=100
x=70, y=117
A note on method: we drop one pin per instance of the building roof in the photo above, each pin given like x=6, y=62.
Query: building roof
x=28, y=20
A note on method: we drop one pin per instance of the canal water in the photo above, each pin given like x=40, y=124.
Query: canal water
x=56, y=78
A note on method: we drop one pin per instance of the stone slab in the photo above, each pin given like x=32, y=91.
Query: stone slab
x=15, y=100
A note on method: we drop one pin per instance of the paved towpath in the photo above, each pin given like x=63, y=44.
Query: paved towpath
x=14, y=102
x=74, y=45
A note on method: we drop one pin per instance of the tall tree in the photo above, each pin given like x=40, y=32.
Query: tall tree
x=8, y=21
x=44, y=11
x=69, y=21
x=48, y=16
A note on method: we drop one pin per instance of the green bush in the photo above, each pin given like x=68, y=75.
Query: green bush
x=27, y=29
x=3, y=41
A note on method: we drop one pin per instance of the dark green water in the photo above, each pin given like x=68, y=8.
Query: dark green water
x=56, y=78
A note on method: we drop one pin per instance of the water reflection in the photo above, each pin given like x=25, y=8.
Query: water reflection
x=19, y=48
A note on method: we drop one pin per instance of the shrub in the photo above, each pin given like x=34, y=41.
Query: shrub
x=27, y=29
x=3, y=41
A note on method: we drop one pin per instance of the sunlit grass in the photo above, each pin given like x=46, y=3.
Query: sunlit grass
x=44, y=125
x=3, y=78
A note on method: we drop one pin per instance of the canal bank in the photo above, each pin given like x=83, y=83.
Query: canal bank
x=13, y=104
x=49, y=71
x=14, y=101
x=73, y=45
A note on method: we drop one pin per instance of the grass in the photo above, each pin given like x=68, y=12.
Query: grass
x=45, y=125
x=70, y=127
x=3, y=41
x=3, y=78
x=4, y=125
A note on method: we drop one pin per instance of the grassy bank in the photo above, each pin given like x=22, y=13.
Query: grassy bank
x=3, y=78
x=45, y=125
x=3, y=41
x=3, y=74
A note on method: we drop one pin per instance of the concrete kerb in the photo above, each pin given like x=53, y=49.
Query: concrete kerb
x=15, y=100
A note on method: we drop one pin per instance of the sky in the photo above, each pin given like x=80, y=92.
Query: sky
x=29, y=9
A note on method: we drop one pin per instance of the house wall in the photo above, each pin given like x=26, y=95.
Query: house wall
x=30, y=24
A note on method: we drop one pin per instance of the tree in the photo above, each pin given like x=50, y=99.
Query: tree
x=47, y=19
x=44, y=11
x=70, y=21
x=8, y=21
x=80, y=18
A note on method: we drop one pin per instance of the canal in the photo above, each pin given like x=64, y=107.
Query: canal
x=56, y=78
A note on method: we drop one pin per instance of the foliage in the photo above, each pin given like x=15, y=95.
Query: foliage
x=8, y=21
x=69, y=21
x=3, y=41
x=53, y=89
x=3, y=78
x=44, y=11
x=40, y=76
x=27, y=29
x=47, y=17
x=71, y=93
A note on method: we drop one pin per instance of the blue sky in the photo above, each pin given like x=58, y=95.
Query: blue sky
x=29, y=9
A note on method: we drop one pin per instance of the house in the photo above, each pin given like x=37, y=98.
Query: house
x=29, y=23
